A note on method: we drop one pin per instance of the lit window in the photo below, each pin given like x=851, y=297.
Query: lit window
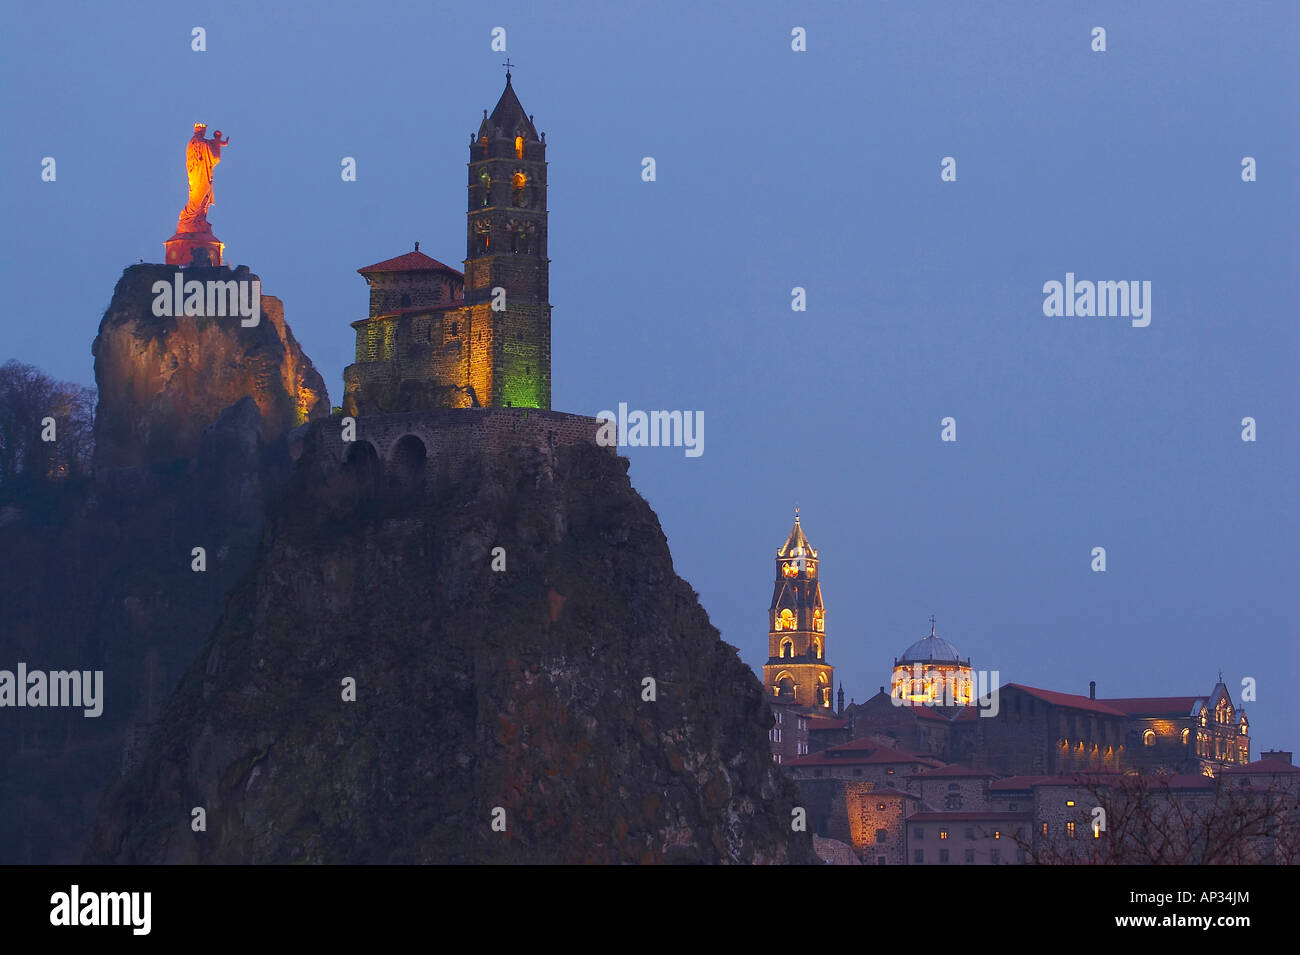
x=1149, y=737
x=1186, y=736
x=943, y=833
x=1044, y=828
x=1069, y=802
x=519, y=147
x=997, y=833
x=1069, y=830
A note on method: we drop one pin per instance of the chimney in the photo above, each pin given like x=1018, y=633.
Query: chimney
x=1092, y=689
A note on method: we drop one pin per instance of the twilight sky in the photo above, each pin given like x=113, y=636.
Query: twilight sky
x=779, y=169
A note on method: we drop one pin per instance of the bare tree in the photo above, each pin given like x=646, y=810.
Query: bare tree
x=1160, y=820
x=28, y=397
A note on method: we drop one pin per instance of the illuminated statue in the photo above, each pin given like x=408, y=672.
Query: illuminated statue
x=201, y=157
x=194, y=244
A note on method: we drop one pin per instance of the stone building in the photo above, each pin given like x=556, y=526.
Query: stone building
x=439, y=338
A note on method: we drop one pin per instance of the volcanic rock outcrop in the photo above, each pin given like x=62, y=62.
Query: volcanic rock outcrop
x=515, y=696
x=163, y=379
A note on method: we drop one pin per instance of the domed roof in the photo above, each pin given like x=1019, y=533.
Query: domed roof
x=931, y=649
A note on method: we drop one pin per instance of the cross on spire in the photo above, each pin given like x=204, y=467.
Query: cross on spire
x=932, y=625
x=507, y=64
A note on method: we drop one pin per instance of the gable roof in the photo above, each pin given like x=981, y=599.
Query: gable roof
x=1067, y=699
x=415, y=261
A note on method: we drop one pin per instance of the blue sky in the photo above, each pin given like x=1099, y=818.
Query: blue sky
x=778, y=169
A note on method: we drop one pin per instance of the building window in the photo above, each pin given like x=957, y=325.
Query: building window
x=970, y=856
x=995, y=856
x=1149, y=738
x=1069, y=830
x=880, y=807
x=918, y=857
x=1070, y=803
x=943, y=833
x=997, y=833
x=774, y=734
x=1186, y=736
x=953, y=787
x=519, y=147
x=918, y=833
x=857, y=771
x=801, y=748
x=787, y=646
x=970, y=832
x=881, y=835
x=1044, y=828
x=776, y=757
x=943, y=855
x=889, y=771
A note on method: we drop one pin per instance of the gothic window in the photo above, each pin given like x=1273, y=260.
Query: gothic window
x=787, y=648
x=519, y=147
x=483, y=236
x=819, y=624
x=1149, y=737
x=882, y=835
x=485, y=188
x=1186, y=735
x=519, y=190
x=785, y=621
x=817, y=649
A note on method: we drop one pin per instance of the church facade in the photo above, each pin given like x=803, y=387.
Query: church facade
x=436, y=337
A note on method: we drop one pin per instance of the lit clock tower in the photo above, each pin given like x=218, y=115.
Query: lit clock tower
x=796, y=670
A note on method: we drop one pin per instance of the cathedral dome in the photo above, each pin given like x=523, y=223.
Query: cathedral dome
x=931, y=649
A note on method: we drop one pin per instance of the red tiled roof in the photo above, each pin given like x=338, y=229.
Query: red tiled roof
x=410, y=262
x=1070, y=700
x=822, y=723
x=1153, y=705
x=861, y=752
x=1179, y=781
x=445, y=306
x=953, y=770
x=1272, y=766
x=891, y=791
x=967, y=713
x=926, y=816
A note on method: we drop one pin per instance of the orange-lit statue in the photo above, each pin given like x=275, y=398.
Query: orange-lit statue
x=201, y=157
x=194, y=243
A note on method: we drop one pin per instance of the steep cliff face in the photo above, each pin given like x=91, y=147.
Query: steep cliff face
x=101, y=578
x=515, y=694
x=163, y=379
